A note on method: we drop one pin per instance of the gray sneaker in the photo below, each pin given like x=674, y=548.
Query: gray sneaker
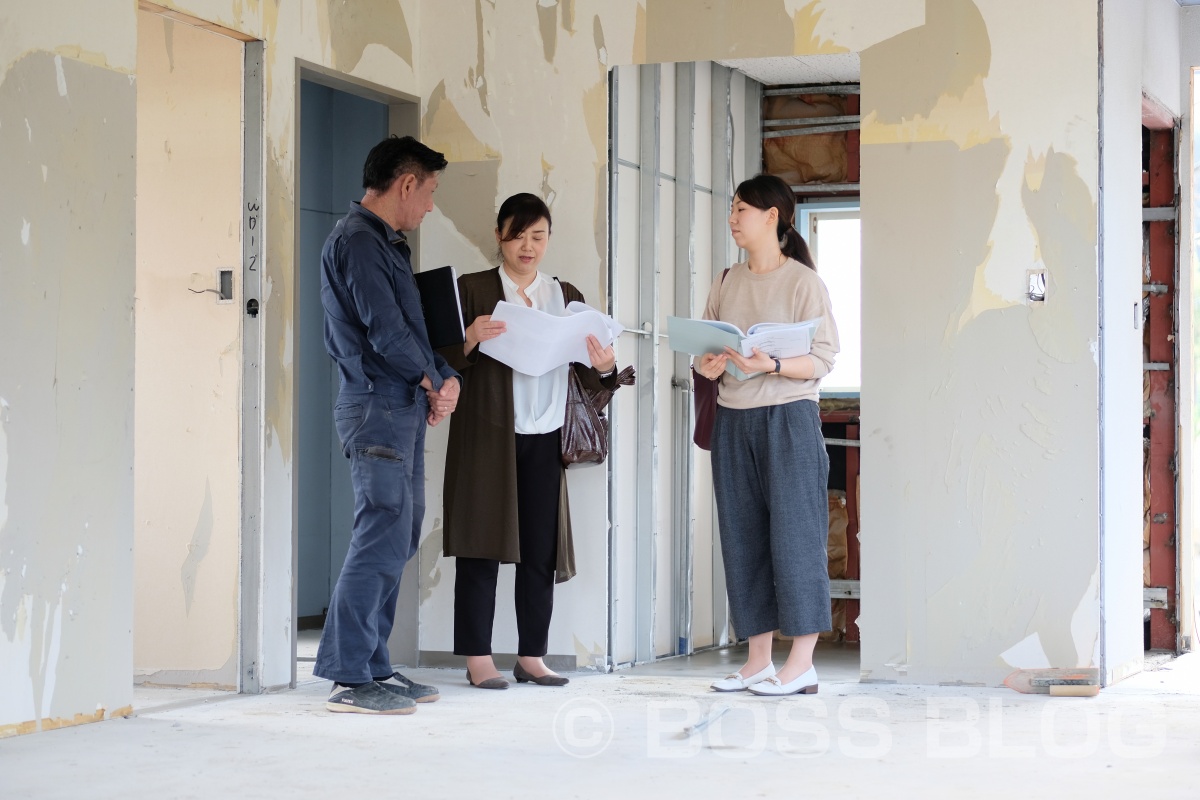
x=403, y=687
x=370, y=698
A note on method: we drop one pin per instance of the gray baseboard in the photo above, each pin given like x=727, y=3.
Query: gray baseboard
x=504, y=661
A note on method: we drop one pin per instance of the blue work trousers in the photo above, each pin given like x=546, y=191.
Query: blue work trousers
x=384, y=438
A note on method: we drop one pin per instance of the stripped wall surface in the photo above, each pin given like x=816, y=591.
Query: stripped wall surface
x=66, y=364
x=68, y=122
x=375, y=44
x=981, y=443
x=980, y=162
x=187, y=492
x=980, y=416
x=518, y=101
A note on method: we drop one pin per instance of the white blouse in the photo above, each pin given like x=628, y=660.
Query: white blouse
x=540, y=403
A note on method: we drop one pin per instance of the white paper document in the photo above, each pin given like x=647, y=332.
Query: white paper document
x=535, y=342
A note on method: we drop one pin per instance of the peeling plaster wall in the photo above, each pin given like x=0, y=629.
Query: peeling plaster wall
x=67, y=272
x=67, y=143
x=375, y=44
x=1160, y=54
x=981, y=451
x=980, y=162
x=187, y=493
x=518, y=101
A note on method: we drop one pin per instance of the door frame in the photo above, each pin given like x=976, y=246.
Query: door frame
x=404, y=114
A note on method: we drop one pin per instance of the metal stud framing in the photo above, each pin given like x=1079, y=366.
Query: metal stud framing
x=683, y=478
x=722, y=195
x=251, y=572
x=1162, y=422
x=647, y=388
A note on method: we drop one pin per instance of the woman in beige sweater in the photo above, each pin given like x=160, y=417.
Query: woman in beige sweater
x=770, y=468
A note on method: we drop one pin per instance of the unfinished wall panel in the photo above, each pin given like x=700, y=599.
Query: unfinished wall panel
x=980, y=552
x=187, y=496
x=980, y=422
x=66, y=380
x=493, y=73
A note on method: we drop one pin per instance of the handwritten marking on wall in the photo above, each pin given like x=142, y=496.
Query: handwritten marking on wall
x=252, y=212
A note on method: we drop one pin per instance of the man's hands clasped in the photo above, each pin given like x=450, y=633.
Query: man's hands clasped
x=442, y=402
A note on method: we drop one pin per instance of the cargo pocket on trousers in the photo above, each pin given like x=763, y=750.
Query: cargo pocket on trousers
x=383, y=472
x=347, y=419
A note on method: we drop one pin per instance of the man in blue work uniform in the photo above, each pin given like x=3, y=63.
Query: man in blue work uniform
x=391, y=385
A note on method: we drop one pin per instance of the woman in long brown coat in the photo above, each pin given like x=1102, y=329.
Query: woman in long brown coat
x=505, y=492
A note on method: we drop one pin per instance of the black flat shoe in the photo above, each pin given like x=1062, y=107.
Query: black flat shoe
x=522, y=675
x=490, y=683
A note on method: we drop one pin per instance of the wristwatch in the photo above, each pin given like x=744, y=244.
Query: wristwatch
x=610, y=373
x=778, y=366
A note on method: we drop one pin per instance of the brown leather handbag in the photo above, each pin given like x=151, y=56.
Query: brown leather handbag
x=704, y=393
x=585, y=427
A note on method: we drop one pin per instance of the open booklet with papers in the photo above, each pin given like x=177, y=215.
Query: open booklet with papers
x=776, y=339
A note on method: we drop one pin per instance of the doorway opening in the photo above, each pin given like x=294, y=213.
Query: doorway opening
x=682, y=137
x=339, y=122
x=191, y=79
x=1160, y=390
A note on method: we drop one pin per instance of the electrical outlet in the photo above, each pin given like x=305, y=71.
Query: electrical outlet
x=1036, y=290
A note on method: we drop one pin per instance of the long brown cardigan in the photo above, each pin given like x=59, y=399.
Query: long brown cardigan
x=480, y=484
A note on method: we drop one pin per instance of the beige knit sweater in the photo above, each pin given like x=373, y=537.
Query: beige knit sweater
x=791, y=293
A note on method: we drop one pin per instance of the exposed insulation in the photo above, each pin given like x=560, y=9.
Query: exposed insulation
x=810, y=158
x=839, y=521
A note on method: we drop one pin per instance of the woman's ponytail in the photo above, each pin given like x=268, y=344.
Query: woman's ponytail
x=793, y=245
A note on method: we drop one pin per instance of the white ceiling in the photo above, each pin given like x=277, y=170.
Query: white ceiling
x=839, y=68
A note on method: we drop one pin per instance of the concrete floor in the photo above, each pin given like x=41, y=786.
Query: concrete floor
x=624, y=735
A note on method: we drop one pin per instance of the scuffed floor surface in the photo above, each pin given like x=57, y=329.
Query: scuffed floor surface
x=622, y=735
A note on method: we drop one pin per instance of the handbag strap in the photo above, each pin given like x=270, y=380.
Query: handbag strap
x=724, y=275
x=600, y=399
x=695, y=373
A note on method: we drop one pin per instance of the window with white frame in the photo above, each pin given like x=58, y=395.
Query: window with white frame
x=833, y=232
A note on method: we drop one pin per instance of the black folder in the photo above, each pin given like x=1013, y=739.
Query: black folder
x=443, y=312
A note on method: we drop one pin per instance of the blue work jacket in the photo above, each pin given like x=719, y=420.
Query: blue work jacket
x=374, y=326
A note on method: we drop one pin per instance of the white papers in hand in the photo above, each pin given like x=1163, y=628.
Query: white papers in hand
x=535, y=342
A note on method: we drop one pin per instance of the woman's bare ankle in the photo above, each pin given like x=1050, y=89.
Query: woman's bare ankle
x=482, y=668
x=751, y=668
x=535, y=666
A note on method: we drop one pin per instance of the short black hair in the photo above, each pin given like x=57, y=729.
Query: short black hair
x=518, y=213
x=396, y=156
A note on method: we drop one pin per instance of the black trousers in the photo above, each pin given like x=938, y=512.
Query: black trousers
x=539, y=470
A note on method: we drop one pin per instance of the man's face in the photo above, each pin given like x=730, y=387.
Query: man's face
x=414, y=199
